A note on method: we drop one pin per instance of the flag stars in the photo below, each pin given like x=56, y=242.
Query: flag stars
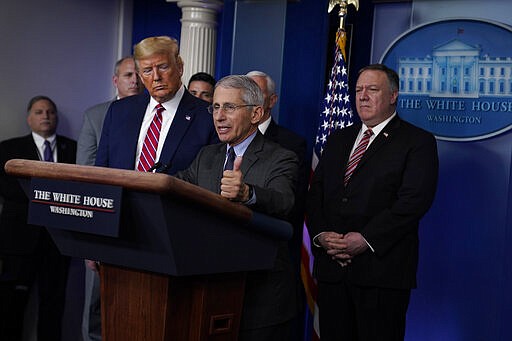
x=336, y=113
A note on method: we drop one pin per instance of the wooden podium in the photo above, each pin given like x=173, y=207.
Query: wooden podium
x=176, y=269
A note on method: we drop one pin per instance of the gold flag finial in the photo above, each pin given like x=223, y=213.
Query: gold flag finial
x=343, y=9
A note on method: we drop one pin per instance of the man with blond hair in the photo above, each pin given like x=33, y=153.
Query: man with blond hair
x=162, y=130
x=182, y=122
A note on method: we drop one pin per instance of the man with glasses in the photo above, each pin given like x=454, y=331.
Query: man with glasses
x=256, y=172
x=162, y=131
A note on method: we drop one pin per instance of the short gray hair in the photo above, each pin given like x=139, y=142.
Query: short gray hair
x=251, y=92
x=271, y=85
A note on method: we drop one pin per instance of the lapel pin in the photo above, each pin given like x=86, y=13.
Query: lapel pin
x=385, y=134
x=187, y=117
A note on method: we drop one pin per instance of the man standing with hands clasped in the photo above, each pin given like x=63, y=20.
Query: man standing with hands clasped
x=374, y=182
x=259, y=173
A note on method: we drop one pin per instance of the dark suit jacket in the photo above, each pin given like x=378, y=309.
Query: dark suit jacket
x=270, y=296
x=296, y=143
x=16, y=236
x=191, y=129
x=391, y=189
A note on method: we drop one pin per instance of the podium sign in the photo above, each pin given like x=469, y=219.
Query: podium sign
x=75, y=206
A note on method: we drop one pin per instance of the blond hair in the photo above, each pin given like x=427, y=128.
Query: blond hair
x=157, y=45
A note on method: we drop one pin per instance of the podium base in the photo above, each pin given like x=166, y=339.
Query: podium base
x=138, y=305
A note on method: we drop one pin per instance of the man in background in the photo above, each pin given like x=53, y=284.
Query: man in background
x=163, y=129
x=291, y=141
x=296, y=143
x=127, y=83
x=201, y=85
x=252, y=170
x=374, y=182
x=27, y=252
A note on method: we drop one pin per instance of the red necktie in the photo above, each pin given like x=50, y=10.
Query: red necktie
x=357, y=155
x=148, y=153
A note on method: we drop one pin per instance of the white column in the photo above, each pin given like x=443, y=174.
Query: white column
x=198, y=41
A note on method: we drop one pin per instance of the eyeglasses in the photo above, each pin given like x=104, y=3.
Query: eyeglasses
x=227, y=107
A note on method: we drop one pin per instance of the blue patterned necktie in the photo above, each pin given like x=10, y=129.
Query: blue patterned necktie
x=48, y=154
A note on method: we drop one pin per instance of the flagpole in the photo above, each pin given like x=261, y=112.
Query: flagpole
x=337, y=114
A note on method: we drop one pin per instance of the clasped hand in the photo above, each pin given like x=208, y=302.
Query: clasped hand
x=232, y=184
x=343, y=247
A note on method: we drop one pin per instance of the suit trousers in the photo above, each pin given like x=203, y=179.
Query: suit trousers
x=49, y=269
x=91, y=318
x=278, y=332
x=358, y=313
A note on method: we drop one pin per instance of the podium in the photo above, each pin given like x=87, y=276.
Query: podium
x=174, y=269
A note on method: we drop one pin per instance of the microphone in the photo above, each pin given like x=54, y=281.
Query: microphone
x=155, y=166
x=159, y=167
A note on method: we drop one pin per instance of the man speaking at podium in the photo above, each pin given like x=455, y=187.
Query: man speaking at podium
x=256, y=172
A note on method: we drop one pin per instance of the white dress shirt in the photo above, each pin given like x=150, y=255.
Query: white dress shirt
x=168, y=114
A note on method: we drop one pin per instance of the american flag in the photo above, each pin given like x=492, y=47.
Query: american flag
x=336, y=114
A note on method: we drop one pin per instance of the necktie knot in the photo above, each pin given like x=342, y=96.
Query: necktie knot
x=48, y=153
x=230, y=160
x=159, y=109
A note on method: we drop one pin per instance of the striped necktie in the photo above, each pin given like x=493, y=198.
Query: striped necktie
x=357, y=155
x=148, y=152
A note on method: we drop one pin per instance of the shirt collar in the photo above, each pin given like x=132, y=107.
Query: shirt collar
x=378, y=128
x=242, y=146
x=263, y=126
x=172, y=104
x=39, y=140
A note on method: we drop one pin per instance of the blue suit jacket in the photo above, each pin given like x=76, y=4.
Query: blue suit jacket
x=191, y=129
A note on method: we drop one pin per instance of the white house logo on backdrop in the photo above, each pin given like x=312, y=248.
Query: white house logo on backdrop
x=455, y=78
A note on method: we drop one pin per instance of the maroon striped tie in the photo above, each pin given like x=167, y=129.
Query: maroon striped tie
x=357, y=155
x=148, y=153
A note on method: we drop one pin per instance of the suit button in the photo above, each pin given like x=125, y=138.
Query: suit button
x=344, y=200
